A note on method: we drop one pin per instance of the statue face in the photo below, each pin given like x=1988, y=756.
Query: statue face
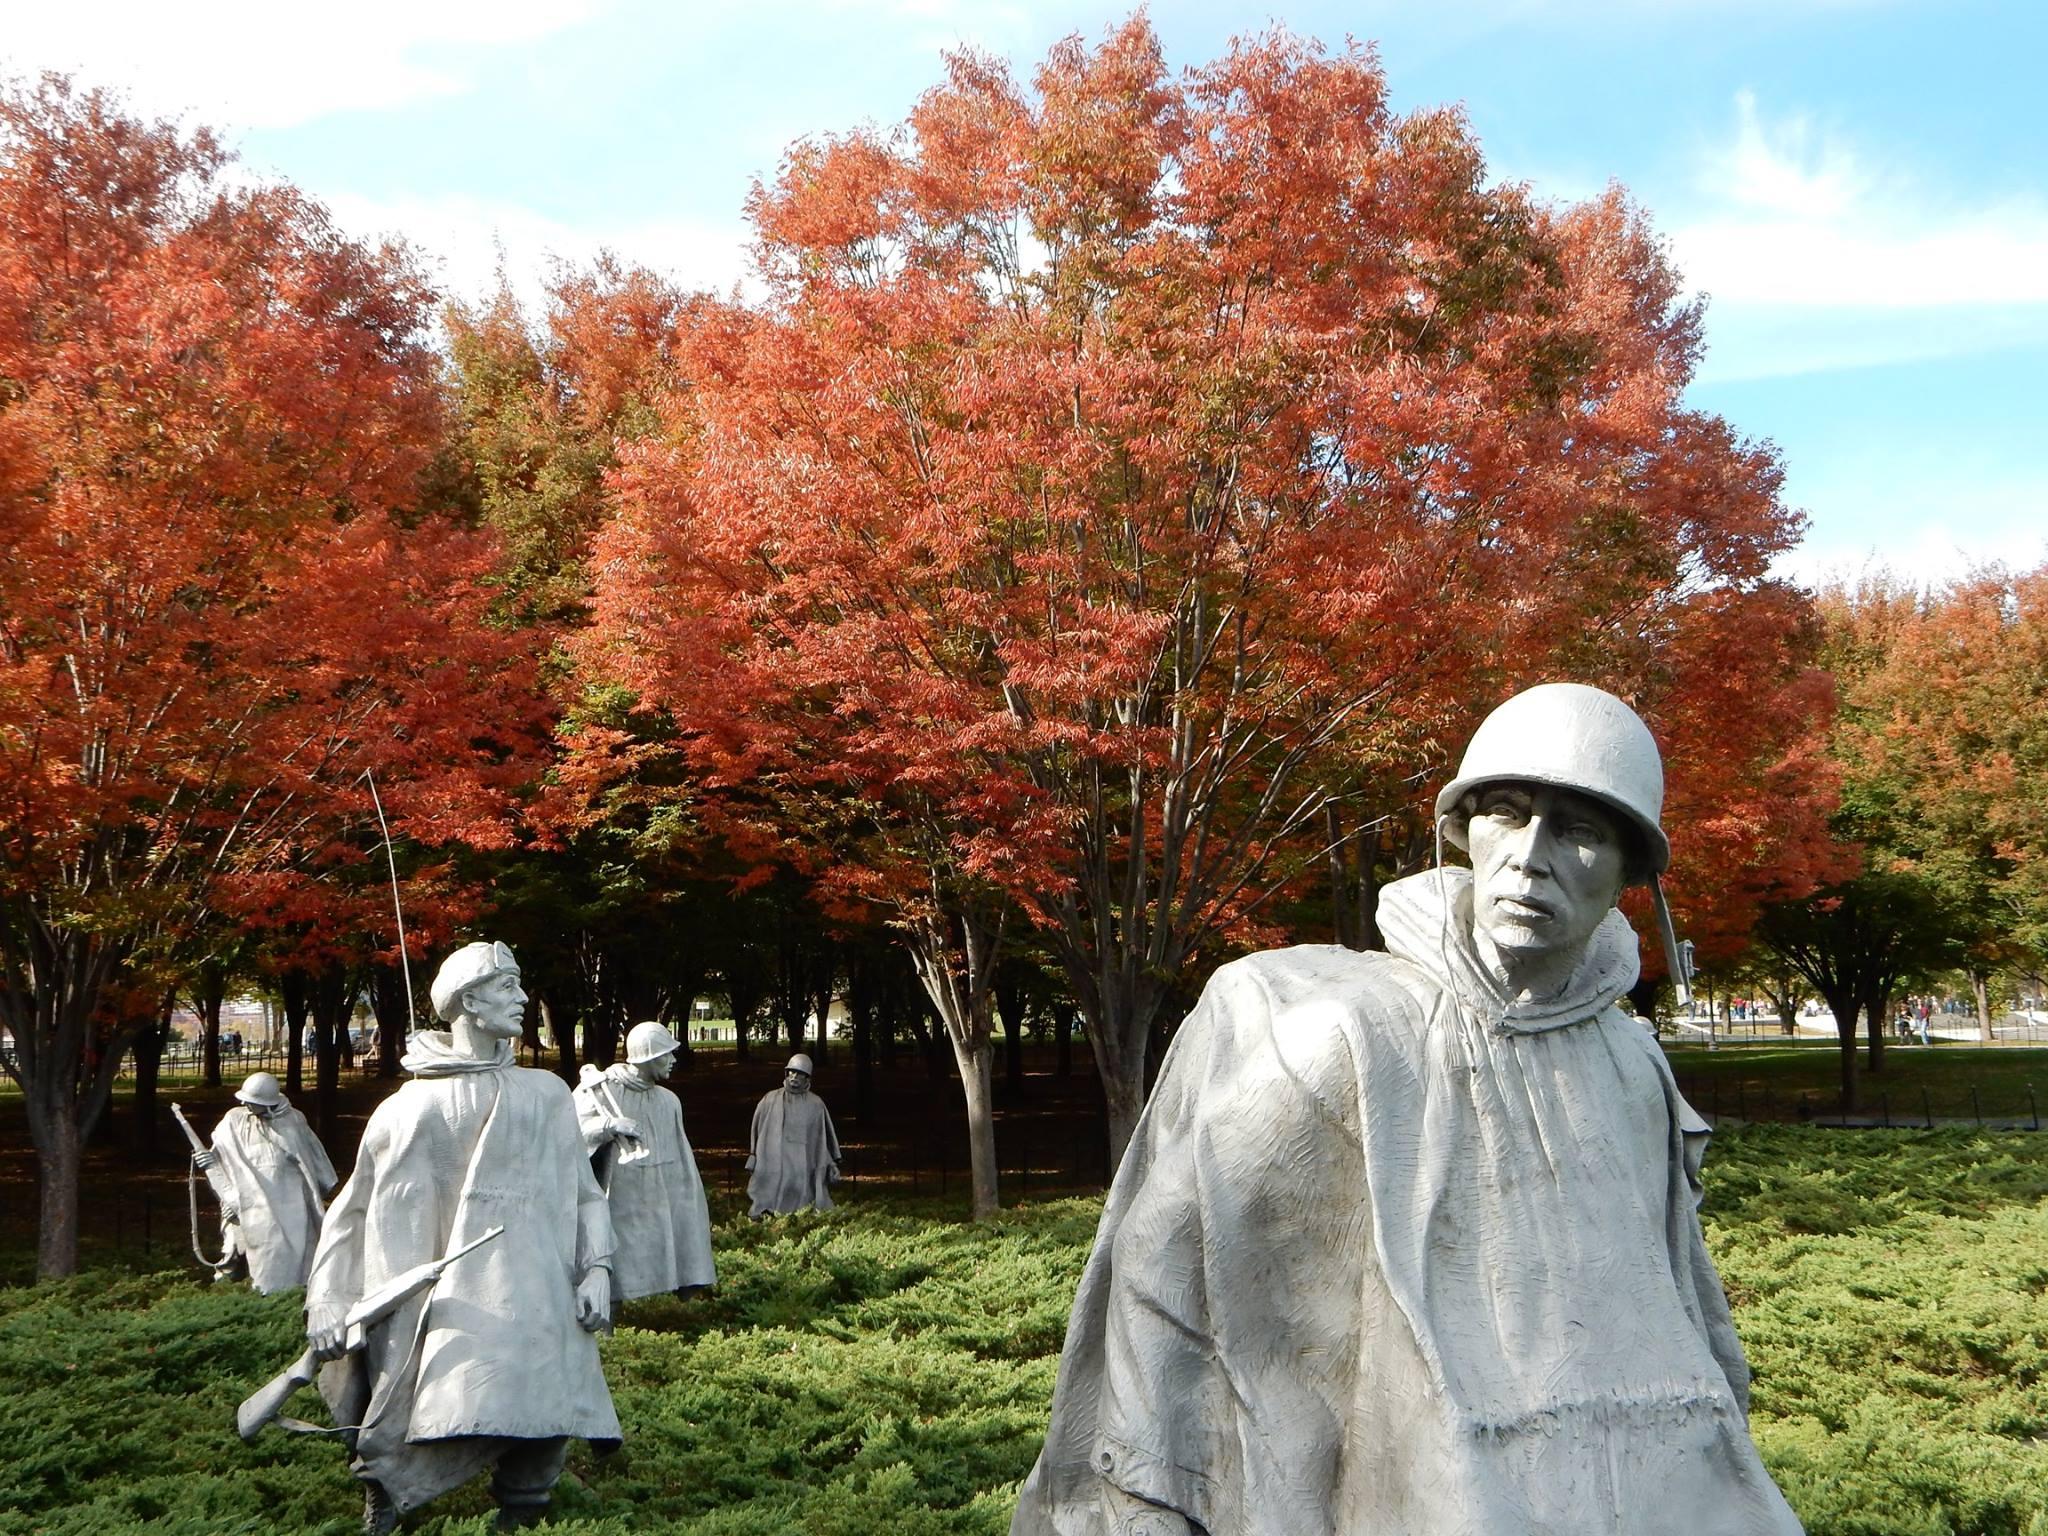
x=796, y=1082
x=1547, y=864
x=657, y=1068
x=497, y=1005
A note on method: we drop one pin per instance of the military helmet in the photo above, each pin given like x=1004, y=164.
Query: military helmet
x=260, y=1089
x=648, y=1042
x=1572, y=737
x=799, y=1063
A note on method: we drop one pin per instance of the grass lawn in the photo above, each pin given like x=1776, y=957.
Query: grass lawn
x=2001, y=1084
x=884, y=1371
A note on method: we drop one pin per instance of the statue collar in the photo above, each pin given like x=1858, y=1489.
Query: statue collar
x=1427, y=920
x=432, y=1053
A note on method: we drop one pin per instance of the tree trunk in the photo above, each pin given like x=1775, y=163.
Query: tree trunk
x=209, y=993
x=1010, y=1007
x=1877, y=1007
x=149, y=1057
x=295, y=989
x=61, y=1152
x=956, y=956
x=389, y=1006
x=331, y=995
x=564, y=1030
x=1843, y=1007
x=977, y=1063
x=1063, y=1040
x=1981, y=987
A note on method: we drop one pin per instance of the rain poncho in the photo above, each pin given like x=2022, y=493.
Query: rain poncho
x=493, y=1352
x=280, y=1174
x=1392, y=1256
x=660, y=1222
x=793, y=1152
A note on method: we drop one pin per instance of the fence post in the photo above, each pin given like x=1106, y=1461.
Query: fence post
x=1976, y=1109
x=1927, y=1106
x=2033, y=1107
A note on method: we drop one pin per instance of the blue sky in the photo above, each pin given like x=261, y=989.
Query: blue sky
x=1858, y=185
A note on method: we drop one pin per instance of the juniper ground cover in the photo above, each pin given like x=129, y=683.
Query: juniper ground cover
x=886, y=1368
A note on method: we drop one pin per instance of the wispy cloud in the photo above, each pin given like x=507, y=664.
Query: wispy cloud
x=1931, y=525
x=470, y=241
x=1814, y=257
x=258, y=64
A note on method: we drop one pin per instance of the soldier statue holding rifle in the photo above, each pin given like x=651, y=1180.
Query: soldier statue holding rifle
x=492, y=1362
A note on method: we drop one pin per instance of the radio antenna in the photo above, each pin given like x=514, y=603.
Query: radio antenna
x=397, y=911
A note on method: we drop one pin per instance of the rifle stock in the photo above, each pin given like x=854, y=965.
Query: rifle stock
x=266, y=1402
x=263, y=1405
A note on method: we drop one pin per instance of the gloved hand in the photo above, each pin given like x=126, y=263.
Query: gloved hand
x=594, y=1299
x=621, y=1126
x=327, y=1331
x=206, y=1159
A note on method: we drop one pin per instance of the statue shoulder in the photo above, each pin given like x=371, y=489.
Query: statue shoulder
x=1318, y=1000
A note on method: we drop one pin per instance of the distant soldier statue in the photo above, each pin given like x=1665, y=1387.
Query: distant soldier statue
x=1408, y=1242
x=634, y=1128
x=495, y=1365
x=265, y=1152
x=793, y=1150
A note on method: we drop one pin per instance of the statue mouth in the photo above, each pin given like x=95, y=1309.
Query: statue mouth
x=1522, y=906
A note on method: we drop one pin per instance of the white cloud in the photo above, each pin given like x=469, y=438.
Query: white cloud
x=1922, y=526
x=470, y=239
x=1792, y=216
x=258, y=64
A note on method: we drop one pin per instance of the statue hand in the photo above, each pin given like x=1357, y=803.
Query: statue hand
x=206, y=1159
x=831, y=1173
x=629, y=1129
x=327, y=1331
x=594, y=1299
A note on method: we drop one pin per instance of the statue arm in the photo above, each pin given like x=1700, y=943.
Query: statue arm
x=754, y=1134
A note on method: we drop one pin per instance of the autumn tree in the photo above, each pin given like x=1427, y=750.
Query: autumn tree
x=213, y=614
x=1132, y=486
x=1945, y=742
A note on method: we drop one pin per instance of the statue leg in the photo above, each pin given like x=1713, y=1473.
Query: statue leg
x=380, y=1515
x=525, y=1479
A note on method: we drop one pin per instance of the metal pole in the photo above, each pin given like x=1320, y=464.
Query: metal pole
x=1976, y=1109
x=1927, y=1106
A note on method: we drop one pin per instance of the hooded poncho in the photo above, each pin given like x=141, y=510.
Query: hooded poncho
x=793, y=1152
x=493, y=1352
x=1392, y=1256
x=280, y=1175
x=660, y=1221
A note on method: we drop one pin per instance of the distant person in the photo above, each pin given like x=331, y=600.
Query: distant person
x=1922, y=1014
x=793, y=1151
x=633, y=1127
x=281, y=1180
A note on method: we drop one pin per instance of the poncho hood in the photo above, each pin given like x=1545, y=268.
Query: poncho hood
x=1427, y=921
x=432, y=1053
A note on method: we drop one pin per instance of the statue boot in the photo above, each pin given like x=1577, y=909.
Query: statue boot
x=380, y=1515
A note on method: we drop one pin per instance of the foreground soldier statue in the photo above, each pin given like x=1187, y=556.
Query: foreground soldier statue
x=634, y=1128
x=267, y=1155
x=793, y=1151
x=494, y=1365
x=1406, y=1244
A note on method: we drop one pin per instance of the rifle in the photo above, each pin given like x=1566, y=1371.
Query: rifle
x=264, y=1404
x=217, y=1180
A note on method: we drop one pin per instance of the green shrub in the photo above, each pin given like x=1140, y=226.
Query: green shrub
x=886, y=1369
